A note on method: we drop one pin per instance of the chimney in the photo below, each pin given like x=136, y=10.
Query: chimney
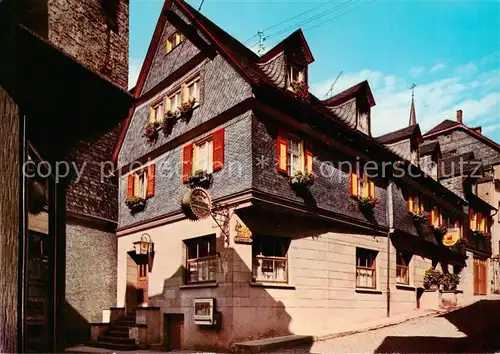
x=459, y=115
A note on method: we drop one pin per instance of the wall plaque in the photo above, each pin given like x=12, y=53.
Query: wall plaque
x=197, y=204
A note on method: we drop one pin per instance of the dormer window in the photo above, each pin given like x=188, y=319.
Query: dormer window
x=173, y=41
x=295, y=74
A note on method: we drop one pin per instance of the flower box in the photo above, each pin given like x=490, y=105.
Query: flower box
x=301, y=179
x=186, y=109
x=151, y=131
x=479, y=234
x=432, y=279
x=169, y=120
x=439, y=231
x=135, y=204
x=367, y=202
x=419, y=218
x=201, y=178
x=301, y=90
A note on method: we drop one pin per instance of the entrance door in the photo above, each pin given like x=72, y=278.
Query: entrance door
x=174, y=331
x=142, y=284
x=480, y=276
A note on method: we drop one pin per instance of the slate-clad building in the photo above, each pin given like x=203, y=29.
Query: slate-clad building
x=239, y=214
x=63, y=79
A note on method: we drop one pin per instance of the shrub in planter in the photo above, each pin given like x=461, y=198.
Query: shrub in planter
x=200, y=178
x=478, y=234
x=367, y=202
x=151, y=131
x=301, y=90
x=450, y=281
x=135, y=204
x=186, y=109
x=302, y=179
x=419, y=218
x=432, y=278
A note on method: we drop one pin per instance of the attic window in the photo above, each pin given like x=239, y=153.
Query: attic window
x=173, y=41
x=295, y=74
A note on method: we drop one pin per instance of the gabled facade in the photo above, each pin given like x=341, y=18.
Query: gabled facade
x=294, y=232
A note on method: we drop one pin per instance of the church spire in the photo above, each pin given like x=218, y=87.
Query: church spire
x=413, y=114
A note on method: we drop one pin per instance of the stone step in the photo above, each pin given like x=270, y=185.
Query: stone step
x=116, y=333
x=113, y=346
x=116, y=340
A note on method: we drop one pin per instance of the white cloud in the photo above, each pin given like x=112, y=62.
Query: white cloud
x=467, y=69
x=436, y=67
x=434, y=100
x=417, y=71
x=133, y=72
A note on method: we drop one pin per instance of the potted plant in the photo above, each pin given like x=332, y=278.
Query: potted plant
x=151, y=131
x=300, y=179
x=450, y=281
x=367, y=202
x=301, y=90
x=200, y=178
x=478, y=234
x=419, y=217
x=135, y=204
x=186, y=109
x=439, y=231
x=168, y=122
x=432, y=279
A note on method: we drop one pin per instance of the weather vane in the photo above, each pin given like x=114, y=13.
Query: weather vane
x=413, y=89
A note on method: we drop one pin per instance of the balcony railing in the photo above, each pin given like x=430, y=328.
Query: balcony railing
x=402, y=275
x=365, y=277
x=270, y=269
x=201, y=269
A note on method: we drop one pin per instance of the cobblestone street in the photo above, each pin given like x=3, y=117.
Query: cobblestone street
x=471, y=329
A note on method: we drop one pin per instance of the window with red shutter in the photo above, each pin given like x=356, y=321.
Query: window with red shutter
x=282, y=154
x=150, y=189
x=218, y=150
x=187, y=162
x=130, y=186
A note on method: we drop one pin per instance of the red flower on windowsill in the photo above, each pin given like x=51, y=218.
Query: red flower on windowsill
x=301, y=90
x=151, y=131
x=367, y=202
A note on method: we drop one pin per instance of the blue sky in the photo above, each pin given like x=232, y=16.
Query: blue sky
x=450, y=49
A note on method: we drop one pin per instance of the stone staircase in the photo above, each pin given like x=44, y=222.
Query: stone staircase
x=116, y=336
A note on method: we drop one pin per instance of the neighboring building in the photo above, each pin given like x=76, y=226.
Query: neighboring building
x=277, y=257
x=59, y=59
x=479, y=183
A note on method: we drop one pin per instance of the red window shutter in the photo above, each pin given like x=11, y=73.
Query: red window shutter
x=130, y=186
x=282, y=154
x=187, y=162
x=150, y=191
x=354, y=185
x=309, y=161
x=218, y=149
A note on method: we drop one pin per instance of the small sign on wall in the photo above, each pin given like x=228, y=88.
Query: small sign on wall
x=451, y=237
x=204, y=309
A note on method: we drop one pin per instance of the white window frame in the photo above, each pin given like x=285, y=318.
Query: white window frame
x=195, y=82
x=300, y=74
x=158, y=112
x=176, y=96
x=141, y=183
x=198, y=163
x=295, y=157
x=363, y=270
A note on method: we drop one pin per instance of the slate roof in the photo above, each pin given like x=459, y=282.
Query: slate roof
x=398, y=135
x=346, y=112
x=275, y=70
x=445, y=124
x=350, y=93
x=457, y=165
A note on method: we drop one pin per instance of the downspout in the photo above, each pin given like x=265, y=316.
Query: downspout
x=390, y=217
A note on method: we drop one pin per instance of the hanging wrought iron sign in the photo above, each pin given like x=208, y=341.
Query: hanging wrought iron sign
x=451, y=237
x=144, y=251
x=197, y=204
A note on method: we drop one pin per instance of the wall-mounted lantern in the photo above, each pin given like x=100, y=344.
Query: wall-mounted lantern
x=144, y=251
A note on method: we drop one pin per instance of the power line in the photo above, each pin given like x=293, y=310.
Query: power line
x=336, y=17
x=294, y=17
x=310, y=19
